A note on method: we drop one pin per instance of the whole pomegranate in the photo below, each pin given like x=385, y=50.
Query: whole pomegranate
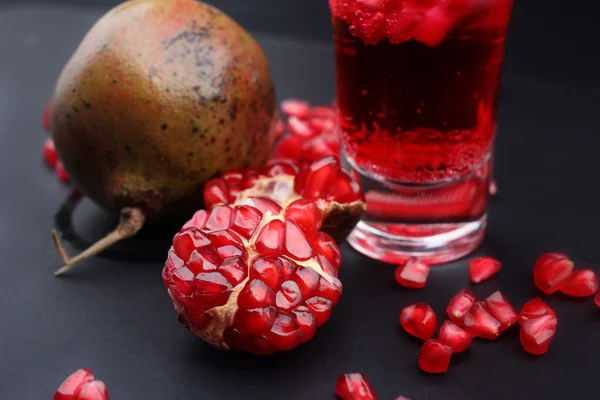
x=160, y=97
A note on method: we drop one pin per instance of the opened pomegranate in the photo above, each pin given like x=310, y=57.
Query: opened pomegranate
x=252, y=278
x=419, y=320
x=434, y=357
x=550, y=271
x=354, y=387
x=483, y=268
x=581, y=283
x=501, y=309
x=459, y=305
x=81, y=385
x=412, y=274
x=323, y=182
x=480, y=323
x=454, y=336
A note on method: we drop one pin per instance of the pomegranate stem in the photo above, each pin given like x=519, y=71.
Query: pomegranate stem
x=130, y=223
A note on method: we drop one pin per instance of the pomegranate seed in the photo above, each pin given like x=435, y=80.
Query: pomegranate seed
x=325, y=245
x=296, y=244
x=299, y=128
x=185, y=242
x=581, y=283
x=197, y=221
x=295, y=108
x=268, y=270
x=434, y=357
x=533, y=309
x=321, y=308
x=597, y=299
x=49, y=153
x=308, y=281
x=290, y=147
x=256, y=294
x=499, y=307
x=69, y=389
x=479, y=323
x=413, y=274
x=285, y=333
x=550, y=271
x=483, y=268
x=289, y=296
x=459, y=305
x=94, y=390
x=60, y=172
x=255, y=321
x=306, y=214
x=454, y=336
x=419, y=320
x=215, y=192
x=537, y=333
x=306, y=321
x=46, y=120
x=354, y=387
x=493, y=188
x=245, y=220
x=218, y=219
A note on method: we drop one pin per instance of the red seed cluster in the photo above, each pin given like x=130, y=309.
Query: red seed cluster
x=243, y=278
x=81, y=385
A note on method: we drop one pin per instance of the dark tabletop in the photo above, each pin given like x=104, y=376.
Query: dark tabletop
x=115, y=317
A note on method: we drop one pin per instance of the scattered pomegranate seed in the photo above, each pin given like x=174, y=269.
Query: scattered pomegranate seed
x=597, y=299
x=533, y=309
x=80, y=385
x=581, y=283
x=297, y=127
x=46, y=116
x=413, y=274
x=419, y=320
x=483, y=268
x=459, y=305
x=434, y=357
x=550, y=271
x=479, y=323
x=537, y=333
x=500, y=308
x=354, y=387
x=454, y=336
x=49, y=153
x=296, y=108
x=60, y=172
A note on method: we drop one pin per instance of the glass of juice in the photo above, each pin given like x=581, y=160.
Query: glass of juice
x=417, y=96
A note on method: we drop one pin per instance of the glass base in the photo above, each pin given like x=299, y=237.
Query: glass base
x=433, y=244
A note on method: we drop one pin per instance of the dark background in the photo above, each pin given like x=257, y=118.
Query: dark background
x=115, y=318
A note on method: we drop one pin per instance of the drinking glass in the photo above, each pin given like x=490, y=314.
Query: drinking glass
x=417, y=96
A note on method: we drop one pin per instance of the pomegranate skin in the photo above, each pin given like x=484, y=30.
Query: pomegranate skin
x=160, y=97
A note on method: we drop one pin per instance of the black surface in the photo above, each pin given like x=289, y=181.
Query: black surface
x=116, y=319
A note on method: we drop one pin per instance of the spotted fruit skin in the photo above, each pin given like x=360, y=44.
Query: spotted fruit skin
x=244, y=278
x=337, y=195
x=354, y=386
x=160, y=97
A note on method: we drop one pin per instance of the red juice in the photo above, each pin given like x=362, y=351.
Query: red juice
x=417, y=93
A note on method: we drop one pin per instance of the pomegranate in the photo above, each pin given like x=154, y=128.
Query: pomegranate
x=413, y=274
x=550, y=271
x=295, y=108
x=49, y=153
x=434, y=357
x=500, y=308
x=459, y=305
x=337, y=195
x=537, y=333
x=80, y=385
x=581, y=283
x=454, y=336
x=419, y=320
x=483, y=268
x=354, y=387
x=247, y=278
x=479, y=323
x=533, y=309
